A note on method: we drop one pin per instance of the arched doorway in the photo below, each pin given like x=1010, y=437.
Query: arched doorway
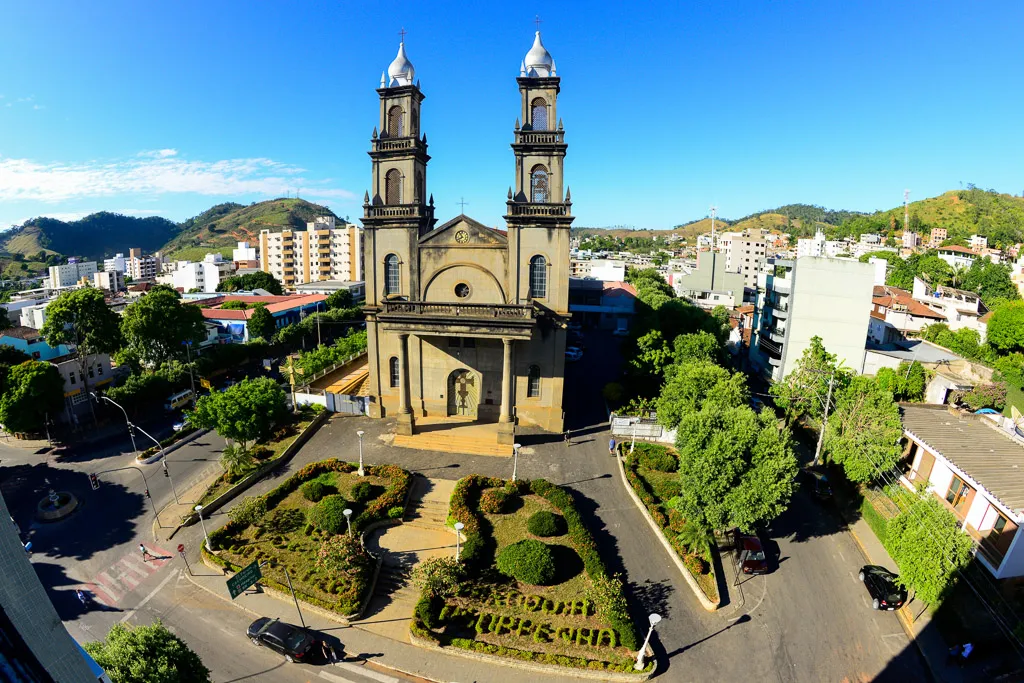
x=463, y=393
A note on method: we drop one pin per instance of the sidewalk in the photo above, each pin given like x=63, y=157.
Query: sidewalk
x=170, y=515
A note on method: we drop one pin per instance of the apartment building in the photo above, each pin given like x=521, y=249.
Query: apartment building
x=911, y=239
x=938, y=236
x=109, y=280
x=744, y=253
x=69, y=274
x=203, y=276
x=959, y=307
x=142, y=267
x=808, y=297
x=118, y=263
x=820, y=247
x=957, y=256
x=710, y=284
x=243, y=252
x=320, y=252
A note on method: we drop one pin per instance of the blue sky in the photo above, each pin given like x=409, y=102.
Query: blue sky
x=168, y=108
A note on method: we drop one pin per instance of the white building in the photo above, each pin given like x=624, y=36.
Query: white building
x=710, y=284
x=956, y=256
x=70, y=273
x=243, y=252
x=328, y=287
x=820, y=247
x=118, y=263
x=812, y=296
x=911, y=239
x=978, y=243
x=203, y=276
x=320, y=252
x=744, y=253
x=143, y=267
x=33, y=316
x=109, y=280
x=959, y=307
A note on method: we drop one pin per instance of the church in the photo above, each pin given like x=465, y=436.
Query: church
x=465, y=322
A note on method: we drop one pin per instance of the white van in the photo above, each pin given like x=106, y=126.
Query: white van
x=178, y=400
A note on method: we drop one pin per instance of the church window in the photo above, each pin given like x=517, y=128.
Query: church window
x=392, y=279
x=462, y=290
x=419, y=186
x=539, y=114
x=395, y=373
x=538, y=185
x=533, y=382
x=538, y=277
x=396, y=122
x=393, y=187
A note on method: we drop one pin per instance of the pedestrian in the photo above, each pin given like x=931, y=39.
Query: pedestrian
x=953, y=655
x=611, y=446
x=145, y=553
x=82, y=597
x=568, y=441
x=965, y=653
x=326, y=650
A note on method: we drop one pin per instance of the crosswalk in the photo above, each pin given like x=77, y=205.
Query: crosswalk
x=119, y=579
x=359, y=674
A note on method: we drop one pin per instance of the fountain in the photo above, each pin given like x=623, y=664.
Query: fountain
x=56, y=505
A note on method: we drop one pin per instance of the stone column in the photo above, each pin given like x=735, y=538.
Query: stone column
x=506, y=382
x=405, y=421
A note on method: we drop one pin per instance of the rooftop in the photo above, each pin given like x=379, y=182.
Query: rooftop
x=20, y=332
x=992, y=459
x=958, y=249
x=886, y=297
x=914, y=349
x=274, y=304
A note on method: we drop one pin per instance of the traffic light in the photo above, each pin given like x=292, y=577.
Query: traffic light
x=94, y=481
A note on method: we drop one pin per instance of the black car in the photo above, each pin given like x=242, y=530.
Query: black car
x=882, y=587
x=818, y=484
x=294, y=643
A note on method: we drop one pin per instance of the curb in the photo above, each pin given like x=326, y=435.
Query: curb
x=164, y=450
x=907, y=625
x=705, y=602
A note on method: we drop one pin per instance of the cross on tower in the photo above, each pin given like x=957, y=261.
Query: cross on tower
x=402, y=33
x=537, y=21
x=462, y=202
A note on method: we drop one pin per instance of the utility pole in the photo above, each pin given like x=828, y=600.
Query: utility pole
x=714, y=212
x=824, y=423
x=906, y=210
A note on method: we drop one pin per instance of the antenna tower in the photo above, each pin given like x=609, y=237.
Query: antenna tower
x=906, y=210
x=714, y=212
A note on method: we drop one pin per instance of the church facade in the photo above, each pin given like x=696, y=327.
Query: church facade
x=466, y=321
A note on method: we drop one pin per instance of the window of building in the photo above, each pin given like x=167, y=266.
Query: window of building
x=469, y=343
x=462, y=290
x=539, y=185
x=420, y=189
x=957, y=494
x=99, y=370
x=393, y=187
x=395, y=376
x=997, y=528
x=71, y=376
x=539, y=114
x=533, y=382
x=396, y=122
x=92, y=373
x=454, y=342
x=538, y=277
x=392, y=277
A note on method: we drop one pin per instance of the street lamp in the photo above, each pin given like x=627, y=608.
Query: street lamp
x=632, y=443
x=459, y=526
x=131, y=432
x=654, y=618
x=360, y=435
x=199, y=509
x=348, y=518
x=515, y=459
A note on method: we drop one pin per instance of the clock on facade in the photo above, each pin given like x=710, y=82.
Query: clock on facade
x=462, y=237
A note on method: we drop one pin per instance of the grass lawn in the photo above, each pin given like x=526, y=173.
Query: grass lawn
x=1014, y=397
x=664, y=485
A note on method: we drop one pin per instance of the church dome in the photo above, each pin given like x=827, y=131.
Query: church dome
x=401, y=71
x=538, y=60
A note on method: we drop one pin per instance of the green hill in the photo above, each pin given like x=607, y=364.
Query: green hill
x=93, y=237
x=225, y=224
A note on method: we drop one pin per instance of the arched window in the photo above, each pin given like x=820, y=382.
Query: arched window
x=393, y=187
x=533, y=382
x=415, y=129
x=392, y=278
x=538, y=277
x=538, y=185
x=539, y=114
x=394, y=373
x=419, y=186
x=396, y=122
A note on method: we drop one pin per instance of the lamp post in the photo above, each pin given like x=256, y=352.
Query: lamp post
x=163, y=460
x=653, y=618
x=191, y=377
x=632, y=443
x=515, y=459
x=348, y=519
x=459, y=526
x=360, y=435
x=131, y=432
x=199, y=509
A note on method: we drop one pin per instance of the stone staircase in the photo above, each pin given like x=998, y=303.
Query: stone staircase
x=428, y=514
x=448, y=442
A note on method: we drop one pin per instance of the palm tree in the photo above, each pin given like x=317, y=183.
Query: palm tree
x=695, y=538
x=957, y=275
x=236, y=460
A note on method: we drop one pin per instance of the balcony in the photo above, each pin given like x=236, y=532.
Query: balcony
x=770, y=347
x=396, y=144
x=540, y=137
x=453, y=319
x=393, y=211
x=777, y=334
x=534, y=209
x=779, y=308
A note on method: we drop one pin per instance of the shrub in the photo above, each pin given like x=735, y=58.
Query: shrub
x=427, y=610
x=364, y=491
x=495, y=501
x=249, y=511
x=396, y=512
x=695, y=563
x=343, y=557
x=528, y=561
x=314, y=490
x=439, y=576
x=328, y=515
x=610, y=604
x=655, y=457
x=544, y=523
x=283, y=520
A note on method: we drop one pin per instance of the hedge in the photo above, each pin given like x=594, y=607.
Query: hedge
x=528, y=561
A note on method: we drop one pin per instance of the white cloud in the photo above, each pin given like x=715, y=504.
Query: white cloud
x=153, y=173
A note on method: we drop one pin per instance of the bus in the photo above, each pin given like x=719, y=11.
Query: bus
x=178, y=400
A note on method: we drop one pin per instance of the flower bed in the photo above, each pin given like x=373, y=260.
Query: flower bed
x=577, y=619
x=309, y=538
x=648, y=482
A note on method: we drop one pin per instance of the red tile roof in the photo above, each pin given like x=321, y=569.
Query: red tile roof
x=886, y=297
x=619, y=289
x=958, y=249
x=274, y=304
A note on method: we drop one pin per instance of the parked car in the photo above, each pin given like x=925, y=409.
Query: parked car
x=818, y=484
x=620, y=332
x=757, y=404
x=180, y=424
x=882, y=587
x=573, y=353
x=750, y=555
x=293, y=642
x=574, y=327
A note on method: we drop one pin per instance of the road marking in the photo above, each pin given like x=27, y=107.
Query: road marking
x=103, y=579
x=369, y=673
x=335, y=677
x=764, y=592
x=146, y=599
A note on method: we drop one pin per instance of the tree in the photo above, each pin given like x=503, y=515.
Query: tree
x=157, y=326
x=261, y=323
x=934, y=270
x=1005, y=330
x=905, y=383
x=864, y=431
x=698, y=346
x=244, y=412
x=342, y=298
x=81, y=317
x=653, y=355
x=928, y=545
x=805, y=389
x=991, y=281
x=147, y=654
x=251, y=281
x=696, y=384
x=31, y=391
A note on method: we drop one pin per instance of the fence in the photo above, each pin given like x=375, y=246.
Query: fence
x=640, y=428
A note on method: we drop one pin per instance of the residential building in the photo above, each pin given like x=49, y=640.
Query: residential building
x=959, y=307
x=812, y=296
x=711, y=283
x=118, y=263
x=973, y=468
x=911, y=239
x=328, y=287
x=745, y=254
x=243, y=252
x=320, y=252
x=33, y=316
x=109, y=280
x=608, y=270
x=895, y=315
x=957, y=256
x=142, y=267
x=232, y=323
x=602, y=305
x=69, y=274
x=203, y=276
x=978, y=243
x=580, y=267
x=938, y=236
x=820, y=247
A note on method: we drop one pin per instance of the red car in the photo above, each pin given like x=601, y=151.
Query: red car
x=750, y=555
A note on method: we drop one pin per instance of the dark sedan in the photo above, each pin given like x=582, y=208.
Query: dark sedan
x=291, y=641
x=881, y=583
x=750, y=555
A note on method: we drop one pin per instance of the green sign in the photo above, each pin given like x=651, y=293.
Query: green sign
x=245, y=578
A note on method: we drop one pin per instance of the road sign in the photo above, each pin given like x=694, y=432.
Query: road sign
x=245, y=578
x=181, y=547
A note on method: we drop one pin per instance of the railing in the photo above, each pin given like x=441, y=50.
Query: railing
x=778, y=305
x=770, y=346
x=393, y=211
x=390, y=144
x=326, y=371
x=500, y=311
x=531, y=209
x=540, y=136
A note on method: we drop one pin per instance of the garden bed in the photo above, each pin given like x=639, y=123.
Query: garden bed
x=299, y=526
x=569, y=614
x=651, y=473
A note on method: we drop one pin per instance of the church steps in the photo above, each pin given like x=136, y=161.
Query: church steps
x=440, y=442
